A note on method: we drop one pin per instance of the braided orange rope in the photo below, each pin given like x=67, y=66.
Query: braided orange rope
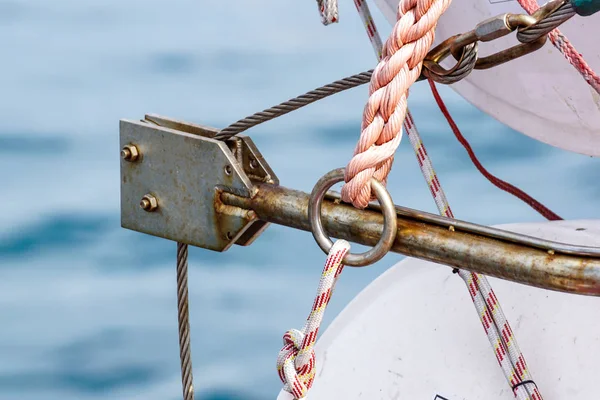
x=384, y=113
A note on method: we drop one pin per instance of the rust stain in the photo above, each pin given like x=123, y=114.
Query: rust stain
x=227, y=217
x=429, y=241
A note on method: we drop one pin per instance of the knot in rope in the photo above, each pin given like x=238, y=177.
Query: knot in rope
x=384, y=113
x=296, y=365
x=328, y=10
x=296, y=360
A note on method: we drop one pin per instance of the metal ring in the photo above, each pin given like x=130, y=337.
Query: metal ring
x=390, y=222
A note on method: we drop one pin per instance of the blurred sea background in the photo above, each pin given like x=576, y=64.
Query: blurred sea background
x=88, y=309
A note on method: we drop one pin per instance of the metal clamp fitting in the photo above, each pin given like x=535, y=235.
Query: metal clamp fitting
x=390, y=223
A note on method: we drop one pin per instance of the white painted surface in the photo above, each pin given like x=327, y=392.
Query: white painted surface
x=541, y=94
x=413, y=334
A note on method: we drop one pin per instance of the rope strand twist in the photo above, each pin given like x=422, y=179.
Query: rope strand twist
x=384, y=113
x=328, y=10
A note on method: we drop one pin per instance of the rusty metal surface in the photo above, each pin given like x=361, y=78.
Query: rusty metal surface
x=245, y=152
x=386, y=239
x=212, y=194
x=257, y=169
x=487, y=231
x=184, y=172
x=430, y=241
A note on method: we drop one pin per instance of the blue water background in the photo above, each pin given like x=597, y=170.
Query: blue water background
x=88, y=309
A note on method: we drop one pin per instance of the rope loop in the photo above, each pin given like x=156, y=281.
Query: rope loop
x=296, y=360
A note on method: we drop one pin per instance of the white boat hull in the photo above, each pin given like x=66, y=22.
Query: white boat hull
x=541, y=94
x=414, y=334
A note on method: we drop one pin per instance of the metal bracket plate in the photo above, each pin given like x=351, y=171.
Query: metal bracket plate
x=183, y=169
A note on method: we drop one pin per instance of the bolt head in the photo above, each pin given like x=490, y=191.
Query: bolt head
x=130, y=153
x=149, y=203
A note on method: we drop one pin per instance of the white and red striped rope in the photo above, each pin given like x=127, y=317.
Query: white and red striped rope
x=329, y=11
x=367, y=19
x=490, y=313
x=296, y=360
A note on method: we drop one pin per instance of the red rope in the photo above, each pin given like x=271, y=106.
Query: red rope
x=499, y=183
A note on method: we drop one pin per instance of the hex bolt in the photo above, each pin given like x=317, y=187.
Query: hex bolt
x=149, y=203
x=130, y=153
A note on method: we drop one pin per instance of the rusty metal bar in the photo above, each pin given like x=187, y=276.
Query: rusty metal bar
x=430, y=240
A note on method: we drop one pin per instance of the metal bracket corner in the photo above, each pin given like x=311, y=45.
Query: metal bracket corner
x=172, y=174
